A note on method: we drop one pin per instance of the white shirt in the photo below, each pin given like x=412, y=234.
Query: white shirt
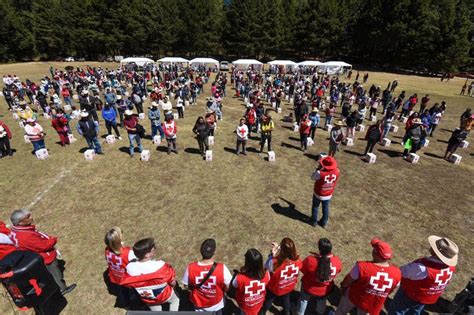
x=242, y=132
x=137, y=268
x=166, y=106
x=416, y=270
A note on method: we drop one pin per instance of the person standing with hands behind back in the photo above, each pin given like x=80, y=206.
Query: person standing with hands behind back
x=267, y=128
x=326, y=177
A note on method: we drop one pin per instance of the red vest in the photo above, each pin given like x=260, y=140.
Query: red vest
x=30, y=239
x=250, y=293
x=310, y=281
x=373, y=286
x=326, y=184
x=212, y=291
x=153, y=288
x=117, y=264
x=428, y=290
x=305, y=129
x=285, y=277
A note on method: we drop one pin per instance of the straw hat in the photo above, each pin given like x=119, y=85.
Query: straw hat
x=445, y=249
x=416, y=121
x=339, y=123
x=84, y=114
x=315, y=110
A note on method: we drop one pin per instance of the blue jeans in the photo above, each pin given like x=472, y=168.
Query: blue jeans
x=155, y=129
x=315, y=208
x=303, y=303
x=136, y=137
x=94, y=144
x=38, y=145
x=328, y=120
x=385, y=131
x=402, y=305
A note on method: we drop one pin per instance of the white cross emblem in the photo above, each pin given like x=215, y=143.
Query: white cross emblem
x=333, y=271
x=443, y=277
x=381, y=281
x=209, y=282
x=254, y=288
x=115, y=261
x=330, y=178
x=289, y=272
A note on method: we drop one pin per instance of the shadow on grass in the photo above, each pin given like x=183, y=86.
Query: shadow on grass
x=125, y=150
x=190, y=150
x=443, y=141
x=353, y=153
x=434, y=155
x=290, y=211
x=294, y=139
x=288, y=127
x=251, y=149
x=162, y=148
x=230, y=150
x=82, y=150
x=312, y=156
x=287, y=145
x=391, y=153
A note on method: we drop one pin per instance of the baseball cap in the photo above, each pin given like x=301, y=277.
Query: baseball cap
x=383, y=249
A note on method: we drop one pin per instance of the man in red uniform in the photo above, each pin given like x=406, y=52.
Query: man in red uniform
x=425, y=279
x=25, y=236
x=369, y=282
x=325, y=177
x=152, y=279
x=6, y=244
x=207, y=280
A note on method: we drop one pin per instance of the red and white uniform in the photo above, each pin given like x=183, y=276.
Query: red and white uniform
x=310, y=281
x=210, y=295
x=30, y=239
x=170, y=129
x=117, y=264
x=372, y=286
x=430, y=281
x=325, y=183
x=284, y=278
x=242, y=132
x=250, y=293
x=151, y=279
x=6, y=244
x=305, y=127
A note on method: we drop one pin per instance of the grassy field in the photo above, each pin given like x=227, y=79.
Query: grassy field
x=241, y=201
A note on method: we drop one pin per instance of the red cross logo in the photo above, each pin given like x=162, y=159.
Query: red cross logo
x=209, y=284
x=114, y=261
x=146, y=294
x=242, y=132
x=170, y=128
x=443, y=277
x=333, y=271
x=289, y=272
x=13, y=238
x=381, y=281
x=330, y=178
x=255, y=287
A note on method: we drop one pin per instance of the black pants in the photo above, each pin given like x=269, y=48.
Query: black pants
x=313, y=130
x=271, y=297
x=250, y=128
x=370, y=146
x=414, y=147
x=373, y=111
x=93, y=113
x=404, y=113
x=304, y=141
x=211, y=132
x=243, y=143
x=267, y=137
x=5, y=146
x=203, y=145
x=109, y=127
x=180, y=112
x=139, y=107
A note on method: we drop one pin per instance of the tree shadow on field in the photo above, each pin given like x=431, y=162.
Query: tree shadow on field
x=434, y=155
x=391, y=153
x=290, y=211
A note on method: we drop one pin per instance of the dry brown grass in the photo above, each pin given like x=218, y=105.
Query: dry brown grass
x=180, y=199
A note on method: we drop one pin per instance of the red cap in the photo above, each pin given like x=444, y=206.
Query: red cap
x=383, y=249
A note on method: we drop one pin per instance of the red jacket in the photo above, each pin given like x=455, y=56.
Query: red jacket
x=9, y=134
x=60, y=124
x=28, y=238
x=5, y=246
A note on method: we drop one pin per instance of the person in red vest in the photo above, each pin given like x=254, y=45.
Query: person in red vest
x=326, y=177
x=153, y=280
x=284, y=266
x=60, y=124
x=425, y=279
x=251, y=118
x=305, y=130
x=369, y=282
x=117, y=257
x=207, y=280
x=6, y=244
x=319, y=271
x=26, y=237
x=250, y=283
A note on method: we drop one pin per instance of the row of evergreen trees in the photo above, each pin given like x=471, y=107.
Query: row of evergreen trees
x=420, y=34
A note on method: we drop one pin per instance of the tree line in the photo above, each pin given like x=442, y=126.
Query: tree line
x=436, y=35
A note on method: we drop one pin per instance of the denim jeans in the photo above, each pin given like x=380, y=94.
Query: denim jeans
x=38, y=145
x=94, y=144
x=136, y=137
x=328, y=120
x=315, y=209
x=402, y=304
x=305, y=298
x=155, y=129
x=385, y=131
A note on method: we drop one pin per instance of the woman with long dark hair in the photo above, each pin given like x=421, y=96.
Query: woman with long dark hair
x=284, y=265
x=201, y=129
x=319, y=270
x=250, y=283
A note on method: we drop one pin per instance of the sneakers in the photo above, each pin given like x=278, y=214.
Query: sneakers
x=69, y=289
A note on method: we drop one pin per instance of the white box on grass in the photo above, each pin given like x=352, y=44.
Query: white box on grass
x=46, y=116
x=274, y=104
x=145, y=155
x=271, y=156
x=27, y=139
x=291, y=100
x=309, y=141
x=386, y=142
x=209, y=155
x=371, y=158
x=413, y=158
x=186, y=103
x=42, y=154
x=279, y=110
x=373, y=118
x=348, y=142
x=67, y=108
x=141, y=116
x=464, y=144
x=89, y=154
x=360, y=128
x=455, y=158
x=404, y=120
x=21, y=124
x=211, y=140
x=296, y=127
x=175, y=116
x=157, y=140
x=71, y=138
x=110, y=139
x=427, y=143
x=75, y=97
x=394, y=128
x=15, y=116
x=329, y=128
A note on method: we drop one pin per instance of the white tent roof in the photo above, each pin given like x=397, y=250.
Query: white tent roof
x=140, y=61
x=204, y=61
x=282, y=62
x=172, y=59
x=337, y=64
x=246, y=62
x=313, y=63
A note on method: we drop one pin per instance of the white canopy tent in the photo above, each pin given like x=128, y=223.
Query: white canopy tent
x=140, y=61
x=246, y=62
x=282, y=63
x=333, y=67
x=173, y=60
x=204, y=61
x=310, y=63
